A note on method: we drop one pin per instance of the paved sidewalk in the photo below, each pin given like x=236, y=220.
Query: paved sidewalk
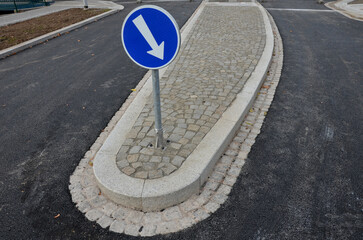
x=218, y=60
x=56, y=7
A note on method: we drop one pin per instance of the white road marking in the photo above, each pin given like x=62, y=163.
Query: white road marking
x=299, y=10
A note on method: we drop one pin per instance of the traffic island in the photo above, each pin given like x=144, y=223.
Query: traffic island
x=196, y=186
x=205, y=94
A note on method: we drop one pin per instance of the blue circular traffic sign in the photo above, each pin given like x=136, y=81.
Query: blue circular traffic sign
x=150, y=36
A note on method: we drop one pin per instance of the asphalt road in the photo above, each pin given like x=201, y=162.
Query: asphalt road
x=55, y=99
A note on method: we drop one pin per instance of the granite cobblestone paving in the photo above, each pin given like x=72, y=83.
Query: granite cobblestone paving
x=213, y=65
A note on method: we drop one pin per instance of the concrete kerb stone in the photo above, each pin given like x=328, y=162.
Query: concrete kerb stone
x=179, y=186
x=198, y=207
x=25, y=45
x=352, y=11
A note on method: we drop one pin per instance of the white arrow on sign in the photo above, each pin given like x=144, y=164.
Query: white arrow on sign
x=157, y=50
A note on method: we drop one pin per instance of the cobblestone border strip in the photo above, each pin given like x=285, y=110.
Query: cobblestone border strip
x=96, y=207
x=25, y=45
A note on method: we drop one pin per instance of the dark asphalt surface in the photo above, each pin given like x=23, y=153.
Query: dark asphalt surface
x=303, y=177
x=54, y=101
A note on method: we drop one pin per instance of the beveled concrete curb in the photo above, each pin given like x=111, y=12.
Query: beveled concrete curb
x=349, y=10
x=35, y=41
x=157, y=194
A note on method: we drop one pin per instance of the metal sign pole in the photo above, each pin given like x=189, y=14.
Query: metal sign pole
x=157, y=109
x=151, y=38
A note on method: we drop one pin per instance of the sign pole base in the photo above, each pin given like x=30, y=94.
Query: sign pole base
x=159, y=139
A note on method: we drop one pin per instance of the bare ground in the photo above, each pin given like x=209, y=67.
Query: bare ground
x=23, y=31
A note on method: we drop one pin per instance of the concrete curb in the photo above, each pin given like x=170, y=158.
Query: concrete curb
x=342, y=7
x=22, y=46
x=156, y=194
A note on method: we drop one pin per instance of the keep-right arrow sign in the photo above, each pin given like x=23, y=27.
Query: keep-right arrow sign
x=150, y=37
